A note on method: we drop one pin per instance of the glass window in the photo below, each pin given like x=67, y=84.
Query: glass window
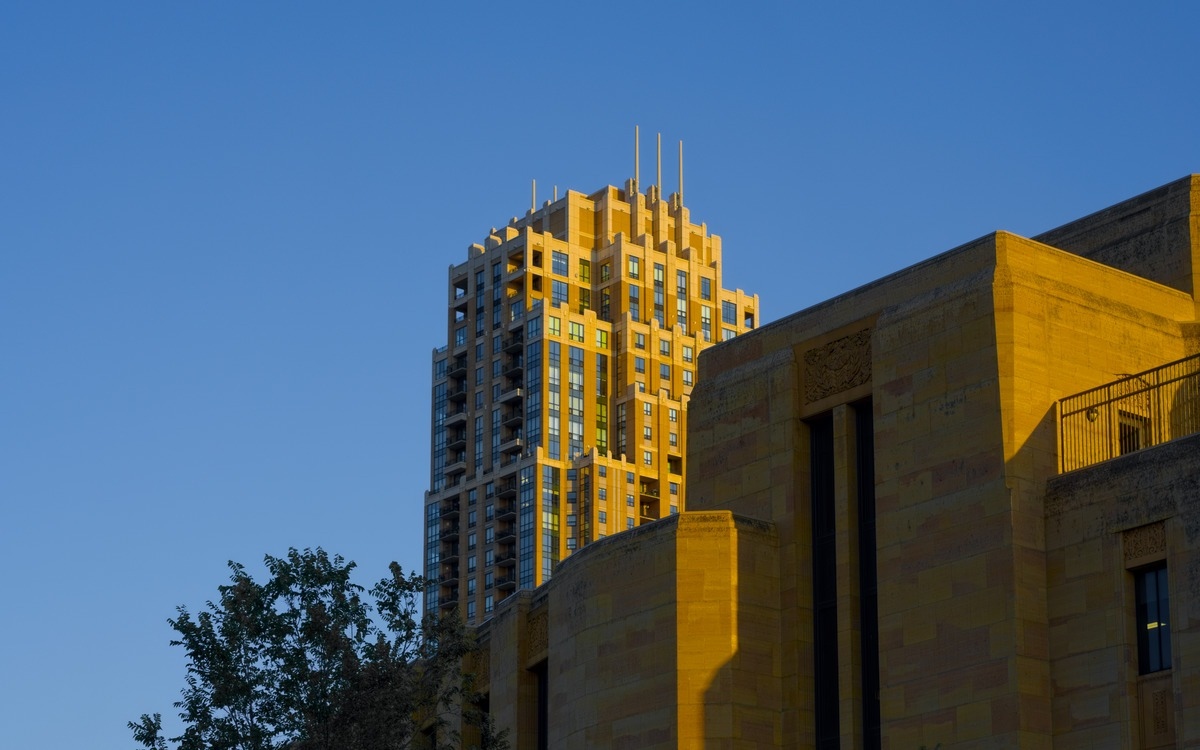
x=674, y=438
x=673, y=413
x=555, y=326
x=603, y=517
x=585, y=271
x=664, y=372
x=605, y=272
x=471, y=519
x=648, y=458
x=705, y=288
x=558, y=292
x=489, y=603
x=558, y=263
x=639, y=364
x=634, y=268
x=674, y=488
x=602, y=339
x=688, y=354
x=1153, y=620
x=576, y=332
x=664, y=347
x=647, y=408
x=729, y=313
x=727, y=333
x=687, y=377
x=647, y=433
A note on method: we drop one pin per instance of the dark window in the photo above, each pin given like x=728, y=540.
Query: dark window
x=1153, y=620
x=868, y=576
x=542, y=675
x=1134, y=432
x=824, y=558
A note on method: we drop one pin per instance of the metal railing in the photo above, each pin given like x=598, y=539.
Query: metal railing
x=1138, y=411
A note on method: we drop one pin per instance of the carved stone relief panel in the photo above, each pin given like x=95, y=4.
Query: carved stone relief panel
x=1145, y=544
x=837, y=366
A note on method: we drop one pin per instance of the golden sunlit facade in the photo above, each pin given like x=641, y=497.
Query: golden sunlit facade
x=560, y=400
x=954, y=507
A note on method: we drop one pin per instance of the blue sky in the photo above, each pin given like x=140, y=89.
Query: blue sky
x=225, y=229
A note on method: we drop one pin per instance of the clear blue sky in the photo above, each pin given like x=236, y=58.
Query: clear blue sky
x=225, y=229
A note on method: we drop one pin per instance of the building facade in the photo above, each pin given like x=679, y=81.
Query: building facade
x=957, y=506
x=560, y=399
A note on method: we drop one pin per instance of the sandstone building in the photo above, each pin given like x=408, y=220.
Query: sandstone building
x=957, y=505
x=560, y=399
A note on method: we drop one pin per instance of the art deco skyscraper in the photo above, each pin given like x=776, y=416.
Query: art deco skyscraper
x=560, y=399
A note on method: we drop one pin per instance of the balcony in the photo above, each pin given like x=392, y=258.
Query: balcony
x=513, y=418
x=456, y=466
x=513, y=445
x=1138, y=411
x=506, y=534
x=506, y=491
x=507, y=559
x=456, y=417
x=506, y=583
x=457, y=368
x=516, y=369
x=506, y=510
x=449, y=532
x=457, y=441
x=511, y=395
x=509, y=463
x=457, y=394
x=513, y=344
x=449, y=508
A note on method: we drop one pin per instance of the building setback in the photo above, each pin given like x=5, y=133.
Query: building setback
x=956, y=506
x=560, y=399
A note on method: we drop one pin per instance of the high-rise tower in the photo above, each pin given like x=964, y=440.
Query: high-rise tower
x=560, y=399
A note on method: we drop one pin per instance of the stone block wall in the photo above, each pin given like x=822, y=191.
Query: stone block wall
x=1102, y=522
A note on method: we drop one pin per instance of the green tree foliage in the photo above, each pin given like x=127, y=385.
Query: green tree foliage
x=310, y=660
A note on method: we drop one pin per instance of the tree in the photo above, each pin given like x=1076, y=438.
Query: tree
x=310, y=660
